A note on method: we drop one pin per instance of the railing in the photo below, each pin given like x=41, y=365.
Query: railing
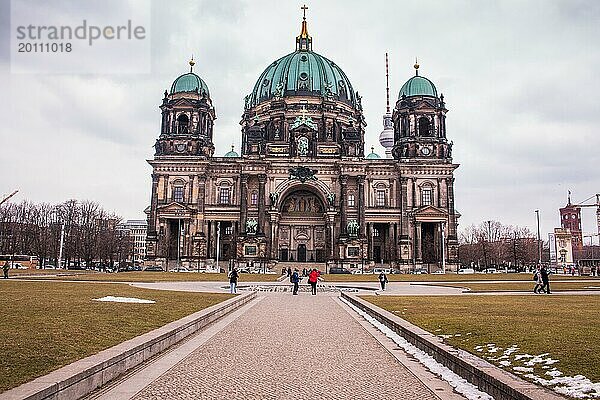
x=286, y=255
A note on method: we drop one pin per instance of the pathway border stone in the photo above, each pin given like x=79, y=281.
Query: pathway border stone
x=80, y=378
x=498, y=383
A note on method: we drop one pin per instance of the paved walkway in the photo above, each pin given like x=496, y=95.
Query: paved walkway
x=288, y=347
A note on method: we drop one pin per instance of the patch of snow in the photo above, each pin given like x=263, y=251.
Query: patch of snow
x=523, y=369
x=459, y=384
x=457, y=334
x=554, y=373
x=520, y=356
x=115, y=299
x=445, y=336
x=577, y=386
x=505, y=363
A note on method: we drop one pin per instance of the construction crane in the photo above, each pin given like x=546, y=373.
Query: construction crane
x=597, y=205
x=4, y=200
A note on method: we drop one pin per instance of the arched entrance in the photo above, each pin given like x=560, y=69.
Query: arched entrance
x=302, y=230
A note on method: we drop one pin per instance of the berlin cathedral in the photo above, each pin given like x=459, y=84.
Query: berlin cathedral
x=302, y=189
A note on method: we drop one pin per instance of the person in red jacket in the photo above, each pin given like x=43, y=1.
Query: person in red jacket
x=313, y=278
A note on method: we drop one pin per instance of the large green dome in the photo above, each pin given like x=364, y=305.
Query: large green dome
x=189, y=82
x=303, y=73
x=418, y=86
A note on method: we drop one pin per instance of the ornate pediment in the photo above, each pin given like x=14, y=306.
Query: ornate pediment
x=174, y=209
x=430, y=214
x=304, y=120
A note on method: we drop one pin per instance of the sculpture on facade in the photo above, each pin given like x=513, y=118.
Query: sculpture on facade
x=352, y=227
x=251, y=226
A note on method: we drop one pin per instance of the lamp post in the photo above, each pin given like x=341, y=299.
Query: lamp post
x=537, y=215
x=62, y=242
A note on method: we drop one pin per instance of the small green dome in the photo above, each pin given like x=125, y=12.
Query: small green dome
x=189, y=82
x=418, y=86
x=302, y=73
x=231, y=153
x=373, y=155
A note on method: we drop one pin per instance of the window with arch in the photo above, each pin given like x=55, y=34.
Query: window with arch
x=380, y=197
x=229, y=230
x=178, y=194
x=424, y=126
x=253, y=198
x=426, y=195
x=224, y=195
x=351, y=200
x=182, y=123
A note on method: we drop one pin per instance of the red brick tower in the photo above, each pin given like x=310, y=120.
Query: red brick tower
x=570, y=218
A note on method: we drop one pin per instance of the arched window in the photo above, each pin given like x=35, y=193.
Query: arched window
x=182, y=123
x=254, y=198
x=426, y=195
x=178, y=194
x=351, y=200
x=224, y=195
x=424, y=126
x=380, y=197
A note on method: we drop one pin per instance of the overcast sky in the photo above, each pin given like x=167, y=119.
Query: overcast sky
x=520, y=78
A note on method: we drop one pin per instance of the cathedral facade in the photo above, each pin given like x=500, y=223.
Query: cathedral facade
x=302, y=189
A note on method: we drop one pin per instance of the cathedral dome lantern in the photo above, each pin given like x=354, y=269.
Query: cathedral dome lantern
x=187, y=118
x=303, y=84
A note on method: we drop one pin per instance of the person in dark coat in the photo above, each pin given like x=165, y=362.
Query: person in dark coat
x=383, y=280
x=5, y=268
x=233, y=278
x=313, y=278
x=295, y=280
x=545, y=280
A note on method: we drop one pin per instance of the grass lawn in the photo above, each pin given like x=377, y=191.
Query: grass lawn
x=445, y=277
x=523, y=286
x=45, y=325
x=566, y=327
x=142, y=276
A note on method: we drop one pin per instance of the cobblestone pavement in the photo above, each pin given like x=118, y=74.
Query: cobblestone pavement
x=290, y=347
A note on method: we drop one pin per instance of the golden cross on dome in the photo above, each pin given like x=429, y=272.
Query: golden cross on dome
x=304, y=8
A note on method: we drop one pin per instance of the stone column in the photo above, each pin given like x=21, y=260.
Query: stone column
x=417, y=241
x=343, y=197
x=370, y=241
x=191, y=199
x=243, y=203
x=451, y=215
x=201, y=193
x=404, y=226
x=262, y=179
x=361, y=205
x=166, y=193
x=153, y=206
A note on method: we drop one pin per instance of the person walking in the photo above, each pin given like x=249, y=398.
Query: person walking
x=545, y=280
x=313, y=278
x=5, y=268
x=383, y=280
x=537, y=277
x=233, y=278
x=295, y=280
x=289, y=272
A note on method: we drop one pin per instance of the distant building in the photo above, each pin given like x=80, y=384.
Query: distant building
x=561, y=248
x=136, y=229
x=570, y=218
